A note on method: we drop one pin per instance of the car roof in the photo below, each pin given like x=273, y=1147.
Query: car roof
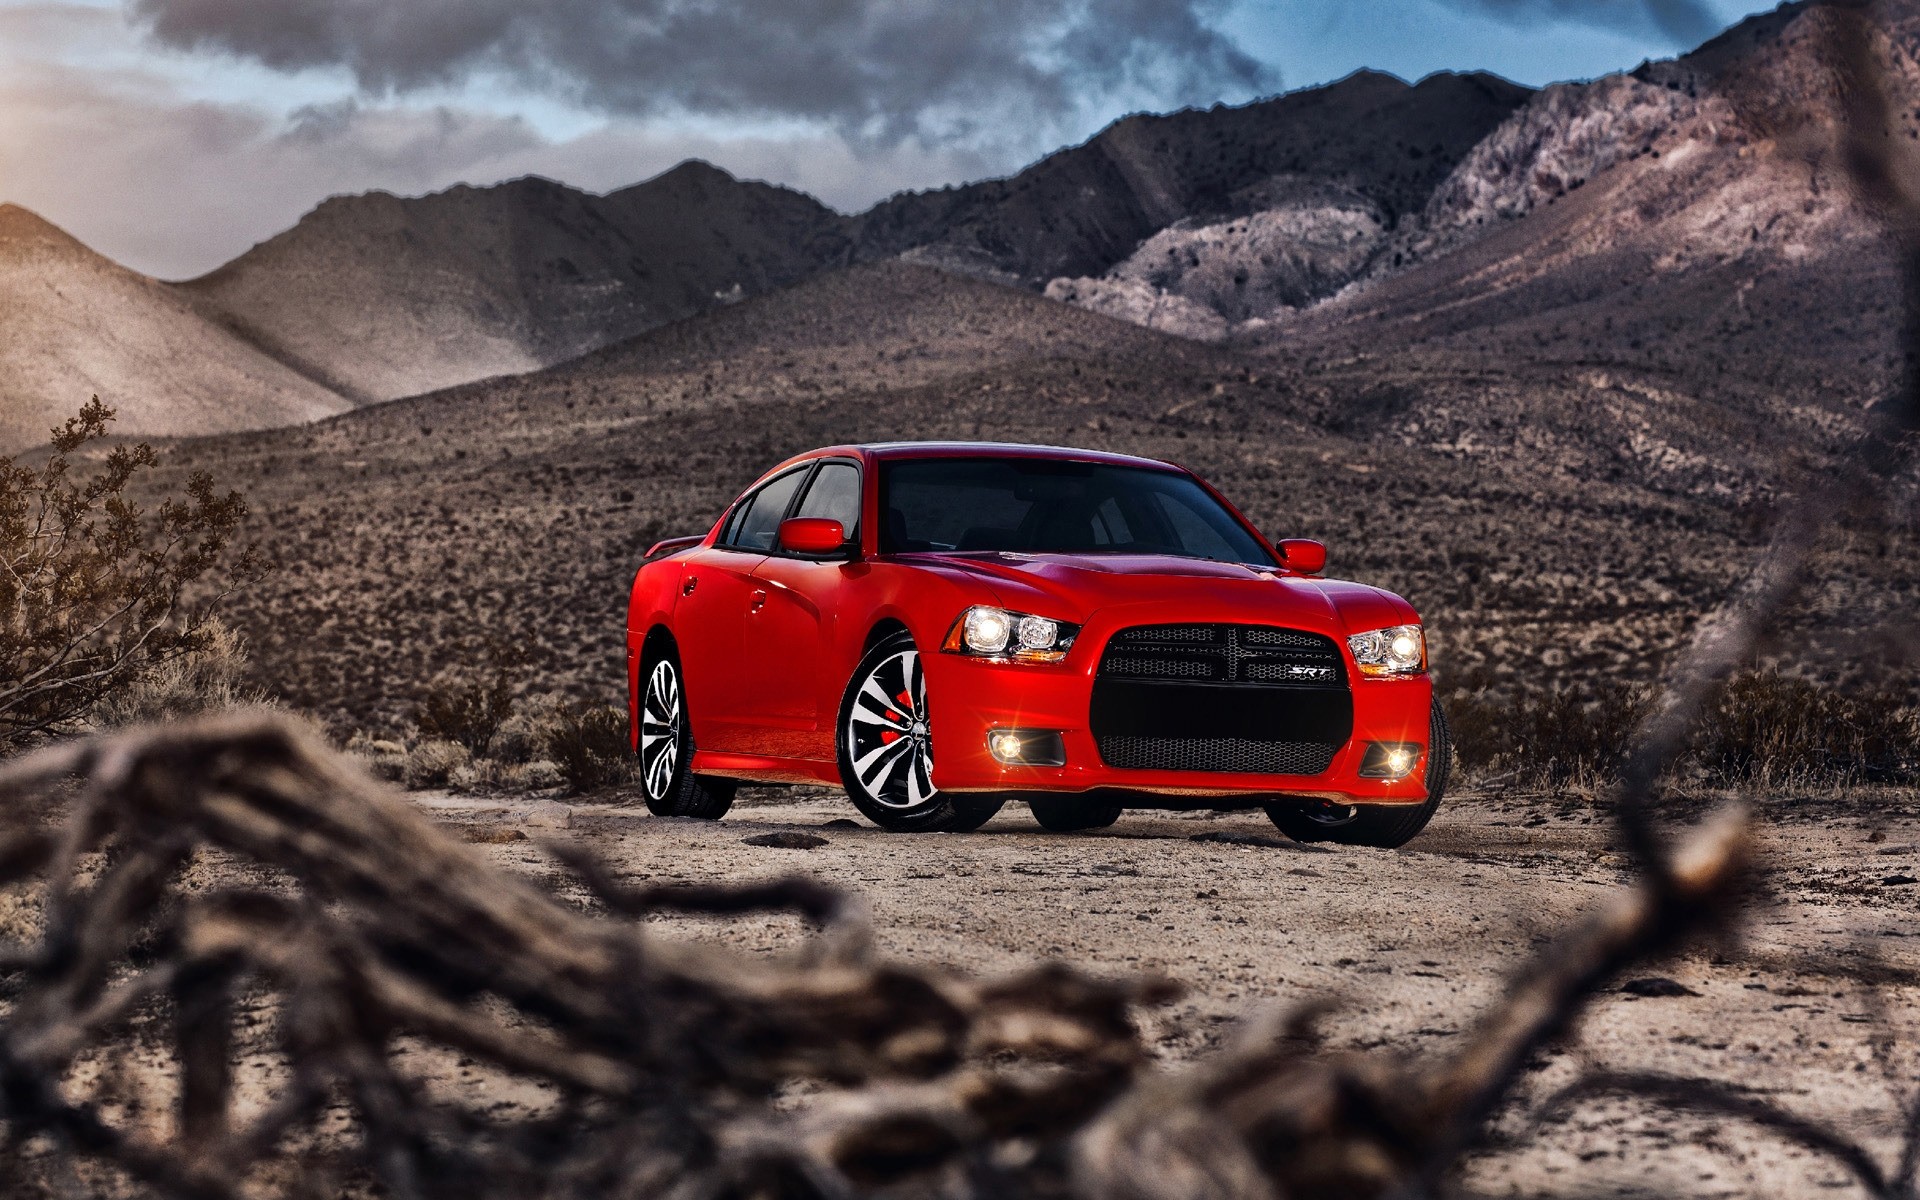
x=888, y=451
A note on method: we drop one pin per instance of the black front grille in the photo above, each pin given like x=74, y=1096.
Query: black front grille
x=1250, y=699
x=1225, y=654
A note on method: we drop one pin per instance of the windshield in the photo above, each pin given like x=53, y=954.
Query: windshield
x=1044, y=506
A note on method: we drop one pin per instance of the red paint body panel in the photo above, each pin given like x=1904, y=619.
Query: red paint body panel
x=769, y=641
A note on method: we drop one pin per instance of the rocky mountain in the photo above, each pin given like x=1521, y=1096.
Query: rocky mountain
x=1703, y=160
x=1370, y=143
x=385, y=297
x=74, y=325
x=382, y=296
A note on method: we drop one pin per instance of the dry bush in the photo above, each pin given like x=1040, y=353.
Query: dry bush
x=1553, y=736
x=589, y=745
x=94, y=590
x=209, y=678
x=469, y=712
x=432, y=764
x=527, y=733
x=1768, y=726
x=1757, y=726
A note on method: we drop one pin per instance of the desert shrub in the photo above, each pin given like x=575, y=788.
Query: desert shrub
x=95, y=595
x=1772, y=726
x=469, y=712
x=208, y=678
x=1556, y=735
x=535, y=776
x=1762, y=724
x=590, y=748
x=433, y=764
x=527, y=734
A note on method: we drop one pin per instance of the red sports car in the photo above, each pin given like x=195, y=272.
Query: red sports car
x=939, y=628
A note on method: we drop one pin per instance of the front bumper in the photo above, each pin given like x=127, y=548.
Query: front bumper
x=970, y=697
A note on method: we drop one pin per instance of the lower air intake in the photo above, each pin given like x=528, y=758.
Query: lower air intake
x=1239, y=755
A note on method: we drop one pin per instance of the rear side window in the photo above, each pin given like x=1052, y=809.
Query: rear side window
x=759, y=520
x=835, y=496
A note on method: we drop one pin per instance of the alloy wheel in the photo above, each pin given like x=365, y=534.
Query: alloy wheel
x=661, y=715
x=890, y=741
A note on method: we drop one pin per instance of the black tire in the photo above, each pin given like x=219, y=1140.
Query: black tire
x=1384, y=826
x=666, y=746
x=1072, y=814
x=886, y=749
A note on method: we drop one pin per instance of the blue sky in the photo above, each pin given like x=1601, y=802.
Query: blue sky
x=172, y=134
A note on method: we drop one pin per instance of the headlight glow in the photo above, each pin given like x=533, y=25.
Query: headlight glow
x=989, y=632
x=987, y=629
x=1398, y=650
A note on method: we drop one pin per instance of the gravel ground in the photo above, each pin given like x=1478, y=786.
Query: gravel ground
x=1810, y=1003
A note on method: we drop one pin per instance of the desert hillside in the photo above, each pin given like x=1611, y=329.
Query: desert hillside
x=74, y=325
x=387, y=297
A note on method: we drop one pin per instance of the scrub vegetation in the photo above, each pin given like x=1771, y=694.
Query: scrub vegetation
x=108, y=605
x=1759, y=727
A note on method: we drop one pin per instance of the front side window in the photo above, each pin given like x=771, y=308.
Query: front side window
x=1043, y=506
x=834, y=495
x=758, y=521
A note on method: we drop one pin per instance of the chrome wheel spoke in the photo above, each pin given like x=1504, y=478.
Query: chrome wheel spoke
x=887, y=736
x=878, y=708
x=660, y=730
x=873, y=769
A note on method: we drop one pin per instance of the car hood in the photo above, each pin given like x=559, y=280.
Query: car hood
x=1072, y=587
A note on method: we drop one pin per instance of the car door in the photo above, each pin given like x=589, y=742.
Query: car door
x=790, y=634
x=716, y=604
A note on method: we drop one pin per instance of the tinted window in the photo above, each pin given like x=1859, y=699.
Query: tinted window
x=759, y=519
x=835, y=495
x=1039, y=506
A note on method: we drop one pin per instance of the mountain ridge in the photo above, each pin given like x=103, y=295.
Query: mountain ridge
x=79, y=325
x=1262, y=223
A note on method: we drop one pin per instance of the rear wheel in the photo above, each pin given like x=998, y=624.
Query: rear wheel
x=886, y=747
x=1386, y=826
x=666, y=747
x=1072, y=814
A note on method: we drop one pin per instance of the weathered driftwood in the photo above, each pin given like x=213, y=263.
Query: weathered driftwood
x=660, y=1054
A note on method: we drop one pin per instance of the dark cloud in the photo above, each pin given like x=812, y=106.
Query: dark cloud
x=1685, y=22
x=879, y=71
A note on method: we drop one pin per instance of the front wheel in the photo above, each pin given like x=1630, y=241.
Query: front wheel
x=1385, y=826
x=886, y=747
x=666, y=748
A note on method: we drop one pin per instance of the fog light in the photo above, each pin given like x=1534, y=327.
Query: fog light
x=1027, y=747
x=1390, y=760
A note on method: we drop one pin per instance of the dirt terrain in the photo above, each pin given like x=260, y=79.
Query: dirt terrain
x=1812, y=1004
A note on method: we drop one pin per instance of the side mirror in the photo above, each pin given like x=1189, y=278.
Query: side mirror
x=1305, y=555
x=812, y=535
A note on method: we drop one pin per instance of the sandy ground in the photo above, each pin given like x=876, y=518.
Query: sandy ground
x=1810, y=1004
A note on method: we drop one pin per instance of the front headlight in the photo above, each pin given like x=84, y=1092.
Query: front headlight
x=1398, y=650
x=990, y=632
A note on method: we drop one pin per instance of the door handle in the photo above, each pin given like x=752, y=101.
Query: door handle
x=693, y=581
x=759, y=601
